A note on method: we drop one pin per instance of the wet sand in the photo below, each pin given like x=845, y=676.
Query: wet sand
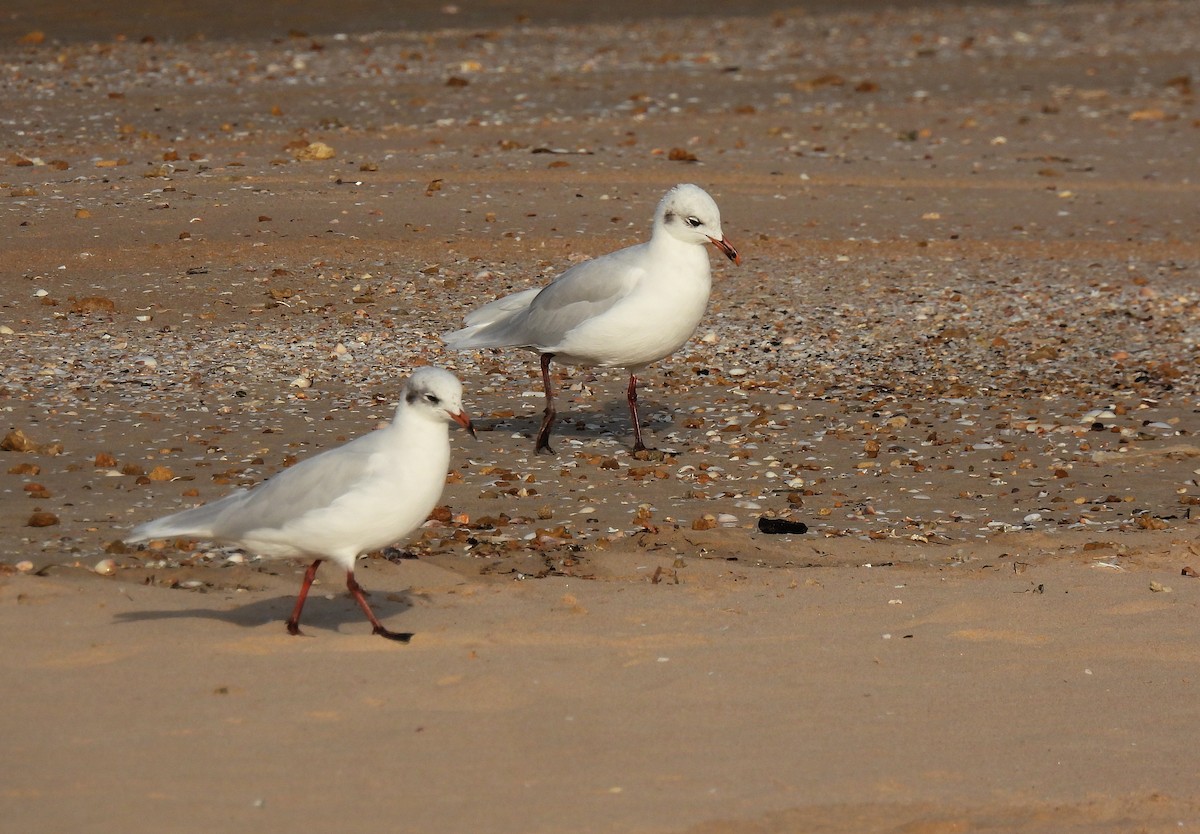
x=961, y=348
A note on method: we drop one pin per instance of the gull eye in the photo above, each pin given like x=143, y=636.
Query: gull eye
x=432, y=399
x=693, y=222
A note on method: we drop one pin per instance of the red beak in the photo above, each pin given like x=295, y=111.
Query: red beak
x=726, y=247
x=463, y=420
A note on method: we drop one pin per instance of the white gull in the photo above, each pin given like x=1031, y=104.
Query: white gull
x=626, y=309
x=349, y=500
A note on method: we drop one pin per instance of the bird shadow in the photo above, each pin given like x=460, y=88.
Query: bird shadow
x=319, y=612
x=608, y=420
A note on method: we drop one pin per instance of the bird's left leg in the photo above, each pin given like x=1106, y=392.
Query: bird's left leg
x=631, y=396
x=357, y=592
x=543, y=436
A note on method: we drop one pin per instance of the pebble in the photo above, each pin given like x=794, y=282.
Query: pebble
x=105, y=567
x=777, y=526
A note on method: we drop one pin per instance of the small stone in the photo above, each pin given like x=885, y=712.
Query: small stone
x=315, y=152
x=161, y=473
x=41, y=519
x=105, y=567
x=94, y=304
x=779, y=526
x=17, y=441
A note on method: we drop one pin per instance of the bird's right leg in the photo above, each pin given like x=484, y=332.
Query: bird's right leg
x=293, y=623
x=543, y=436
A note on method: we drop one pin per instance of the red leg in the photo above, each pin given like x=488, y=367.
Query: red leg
x=631, y=395
x=357, y=592
x=543, y=436
x=293, y=623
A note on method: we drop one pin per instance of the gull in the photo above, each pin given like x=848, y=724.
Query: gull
x=626, y=309
x=349, y=500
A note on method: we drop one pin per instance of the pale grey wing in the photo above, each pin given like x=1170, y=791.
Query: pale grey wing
x=583, y=292
x=196, y=522
x=501, y=307
x=309, y=485
x=482, y=323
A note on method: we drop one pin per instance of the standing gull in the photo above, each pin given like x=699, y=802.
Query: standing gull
x=625, y=309
x=349, y=500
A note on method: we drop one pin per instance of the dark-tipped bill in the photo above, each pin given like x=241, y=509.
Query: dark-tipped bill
x=463, y=420
x=726, y=247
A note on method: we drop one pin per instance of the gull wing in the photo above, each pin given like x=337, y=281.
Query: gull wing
x=309, y=486
x=541, y=319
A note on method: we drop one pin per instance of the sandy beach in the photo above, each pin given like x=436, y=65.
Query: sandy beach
x=962, y=348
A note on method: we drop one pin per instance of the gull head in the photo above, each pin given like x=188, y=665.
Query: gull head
x=687, y=212
x=437, y=393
